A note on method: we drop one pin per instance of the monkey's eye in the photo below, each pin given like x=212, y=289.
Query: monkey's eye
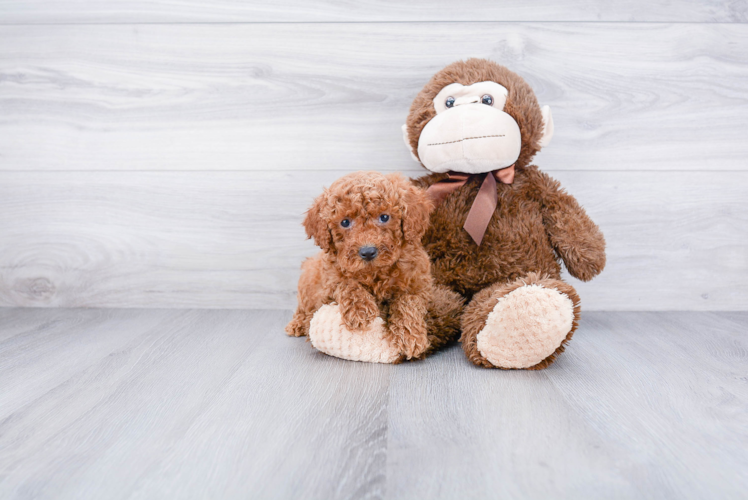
x=384, y=218
x=486, y=99
x=345, y=223
x=449, y=102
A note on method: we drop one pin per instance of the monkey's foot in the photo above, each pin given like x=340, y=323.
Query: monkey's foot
x=328, y=334
x=525, y=327
x=521, y=325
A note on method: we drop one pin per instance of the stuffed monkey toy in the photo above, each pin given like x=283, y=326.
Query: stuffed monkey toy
x=501, y=227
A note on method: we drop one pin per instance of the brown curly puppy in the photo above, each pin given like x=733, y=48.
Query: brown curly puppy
x=369, y=227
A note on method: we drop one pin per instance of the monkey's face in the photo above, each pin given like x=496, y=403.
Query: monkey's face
x=476, y=116
x=470, y=133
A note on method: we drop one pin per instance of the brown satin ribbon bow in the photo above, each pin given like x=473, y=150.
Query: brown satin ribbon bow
x=484, y=203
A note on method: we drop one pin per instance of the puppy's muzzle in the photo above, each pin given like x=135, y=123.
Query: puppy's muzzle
x=368, y=252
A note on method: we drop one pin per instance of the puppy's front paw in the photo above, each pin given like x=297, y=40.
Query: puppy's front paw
x=412, y=342
x=414, y=347
x=359, y=315
x=297, y=328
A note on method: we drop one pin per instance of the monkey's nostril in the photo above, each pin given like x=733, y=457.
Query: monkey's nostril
x=368, y=252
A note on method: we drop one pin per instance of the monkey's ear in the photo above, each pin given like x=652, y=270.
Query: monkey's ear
x=406, y=138
x=415, y=205
x=547, y=126
x=315, y=223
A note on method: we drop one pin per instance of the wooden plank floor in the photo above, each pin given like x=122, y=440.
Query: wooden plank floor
x=116, y=403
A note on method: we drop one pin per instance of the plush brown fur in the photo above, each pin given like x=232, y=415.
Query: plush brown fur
x=536, y=224
x=396, y=285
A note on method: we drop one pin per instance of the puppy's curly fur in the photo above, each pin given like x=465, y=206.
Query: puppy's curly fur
x=369, y=209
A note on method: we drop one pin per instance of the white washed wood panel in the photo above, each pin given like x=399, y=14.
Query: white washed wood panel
x=676, y=240
x=313, y=97
x=162, y=11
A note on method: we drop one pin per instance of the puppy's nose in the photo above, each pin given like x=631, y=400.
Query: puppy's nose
x=368, y=253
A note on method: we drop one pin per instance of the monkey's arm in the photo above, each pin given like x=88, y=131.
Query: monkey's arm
x=575, y=238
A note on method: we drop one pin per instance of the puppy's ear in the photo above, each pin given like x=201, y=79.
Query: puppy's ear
x=415, y=205
x=315, y=223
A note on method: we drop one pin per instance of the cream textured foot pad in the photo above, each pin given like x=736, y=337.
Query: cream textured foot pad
x=526, y=326
x=328, y=334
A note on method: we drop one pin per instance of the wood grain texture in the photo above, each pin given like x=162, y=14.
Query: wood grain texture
x=311, y=97
x=642, y=405
x=185, y=404
x=221, y=404
x=464, y=432
x=676, y=240
x=216, y=11
x=677, y=372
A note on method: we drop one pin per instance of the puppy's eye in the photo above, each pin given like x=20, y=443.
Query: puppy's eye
x=449, y=102
x=486, y=99
x=345, y=223
x=384, y=218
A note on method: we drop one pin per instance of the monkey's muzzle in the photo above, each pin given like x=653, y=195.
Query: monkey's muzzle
x=471, y=138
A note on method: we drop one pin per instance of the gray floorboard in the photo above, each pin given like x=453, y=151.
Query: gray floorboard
x=118, y=403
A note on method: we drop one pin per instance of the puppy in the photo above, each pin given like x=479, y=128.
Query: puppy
x=369, y=227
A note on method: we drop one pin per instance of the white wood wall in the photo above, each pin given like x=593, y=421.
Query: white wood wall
x=161, y=154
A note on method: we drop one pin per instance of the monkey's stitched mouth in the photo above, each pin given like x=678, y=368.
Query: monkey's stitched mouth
x=465, y=139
